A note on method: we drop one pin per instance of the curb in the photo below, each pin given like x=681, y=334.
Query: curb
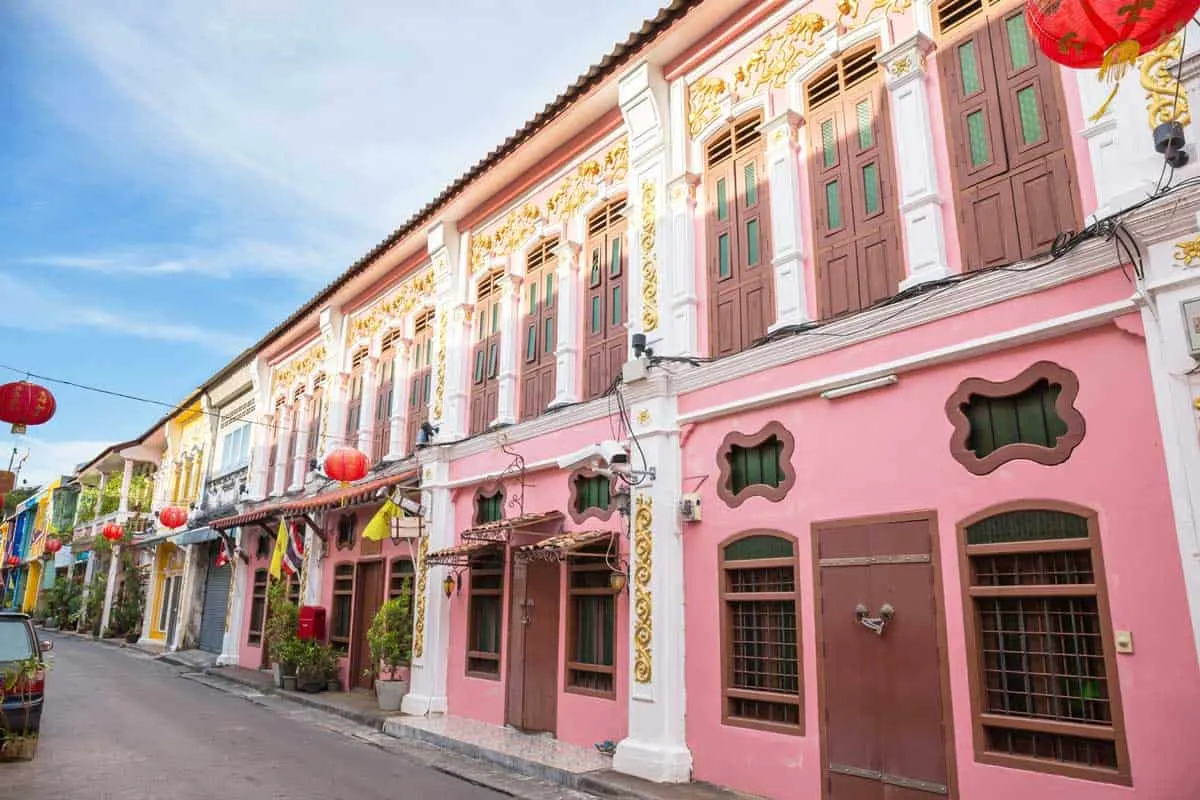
x=299, y=698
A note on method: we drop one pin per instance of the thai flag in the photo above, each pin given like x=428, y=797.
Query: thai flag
x=294, y=555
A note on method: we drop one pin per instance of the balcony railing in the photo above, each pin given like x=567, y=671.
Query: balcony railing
x=225, y=490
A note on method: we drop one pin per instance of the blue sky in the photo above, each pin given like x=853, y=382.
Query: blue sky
x=176, y=176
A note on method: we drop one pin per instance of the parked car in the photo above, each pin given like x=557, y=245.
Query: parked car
x=23, y=669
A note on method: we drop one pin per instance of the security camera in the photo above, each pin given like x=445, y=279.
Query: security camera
x=596, y=456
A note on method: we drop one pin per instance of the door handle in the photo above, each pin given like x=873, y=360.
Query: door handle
x=527, y=616
x=874, y=624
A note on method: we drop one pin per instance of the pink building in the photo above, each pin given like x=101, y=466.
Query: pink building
x=777, y=416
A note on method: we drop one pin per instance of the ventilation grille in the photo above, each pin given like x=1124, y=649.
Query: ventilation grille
x=240, y=414
x=540, y=254
x=389, y=340
x=851, y=71
x=611, y=214
x=318, y=381
x=735, y=140
x=490, y=285
x=424, y=322
x=358, y=359
x=280, y=401
x=296, y=395
x=953, y=13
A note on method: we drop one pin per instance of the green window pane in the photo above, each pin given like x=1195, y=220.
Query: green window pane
x=866, y=124
x=478, y=365
x=722, y=201
x=533, y=287
x=870, y=175
x=495, y=318
x=1031, y=116
x=724, y=265
x=493, y=354
x=748, y=172
x=531, y=342
x=548, y=342
x=977, y=139
x=833, y=204
x=756, y=465
x=752, y=242
x=615, y=308
x=614, y=266
x=549, y=290
x=1027, y=418
x=416, y=393
x=596, y=314
x=1027, y=525
x=428, y=385
x=482, y=326
x=754, y=547
x=968, y=66
x=1018, y=41
x=428, y=352
x=828, y=145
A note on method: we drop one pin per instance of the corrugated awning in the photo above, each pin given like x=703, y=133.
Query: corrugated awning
x=153, y=538
x=460, y=554
x=196, y=536
x=349, y=496
x=500, y=530
x=557, y=548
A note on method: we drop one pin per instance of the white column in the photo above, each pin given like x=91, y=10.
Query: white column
x=337, y=393
x=313, y=553
x=89, y=575
x=785, y=153
x=431, y=637
x=916, y=164
x=333, y=335
x=656, y=745
x=401, y=373
x=510, y=344
x=234, y=609
x=126, y=481
x=302, y=424
x=567, y=375
x=449, y=404
x=366, y=417
x=284, y=435
x=260, y=437
x=110, y=590
x=684, y=300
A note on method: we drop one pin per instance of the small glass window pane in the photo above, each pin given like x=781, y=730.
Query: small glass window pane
x=548, y=342
x=533, y=287
x=595, y=277
x=531, y=343
x=495, y=317
x=479, y=365
x=752, y=253
x=870, y=175
x=492, y=359
x=833, y=203
x=968, y=65
x=722, y=200
x=614, y=266
x=866, y=123
x=615, y=309
x=977, y=139
x=428, y=352
x=428, y=386
x=481, y=325
x=549, y=290
x=748, y=172
x=416, y=390
x=596, y=314
x=828, y=144
x=1031, y=116
x=723, y=260
x=1018, y=41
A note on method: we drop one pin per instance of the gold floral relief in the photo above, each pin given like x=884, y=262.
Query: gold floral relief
x=848, y=12
x=422, y=576
x=401, y=302
x=440, y=390
x=301, y=367
x=1166, y=99
x=512, y=232
x=578, y=189
x=1187, y=252
x=704, y=102
x=779, y=54
x=649, y=259
x=643, y=600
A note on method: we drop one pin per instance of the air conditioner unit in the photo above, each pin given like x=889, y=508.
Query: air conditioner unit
x=689, y=507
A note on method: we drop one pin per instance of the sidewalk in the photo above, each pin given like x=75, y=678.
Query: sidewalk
x=538, y=757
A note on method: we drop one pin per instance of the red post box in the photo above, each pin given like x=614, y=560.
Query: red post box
x=312, y=623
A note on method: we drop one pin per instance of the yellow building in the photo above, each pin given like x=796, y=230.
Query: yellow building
x=37, y=547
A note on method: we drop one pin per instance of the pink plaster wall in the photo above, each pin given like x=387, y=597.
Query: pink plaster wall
x=582, y=719
x=886, y=452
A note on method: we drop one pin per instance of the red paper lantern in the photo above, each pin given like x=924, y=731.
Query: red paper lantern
x=113, y=532
x=1106, y=34
x=53, y=545
x=172, y=516
x=24, y=403
x=346, y=465
x=13, y=561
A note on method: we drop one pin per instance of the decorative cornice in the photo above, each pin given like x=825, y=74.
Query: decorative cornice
x=848, y=18
x=704, y=102
x=302, y=366
x=579, y=188
x=649, y=258
x=643, y=598
x=1166, y=98
x=392, y=310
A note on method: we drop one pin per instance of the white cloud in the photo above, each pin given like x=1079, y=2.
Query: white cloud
x=50, y=460
x=39, y=309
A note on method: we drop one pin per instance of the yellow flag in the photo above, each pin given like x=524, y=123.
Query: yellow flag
x=280, y=547
x=380, y=525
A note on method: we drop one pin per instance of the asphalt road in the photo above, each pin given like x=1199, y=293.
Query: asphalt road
x=121, y=725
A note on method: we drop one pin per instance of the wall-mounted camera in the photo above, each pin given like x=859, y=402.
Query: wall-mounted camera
x=597, y=456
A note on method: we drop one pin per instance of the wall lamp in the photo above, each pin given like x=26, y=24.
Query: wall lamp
x=861, y=386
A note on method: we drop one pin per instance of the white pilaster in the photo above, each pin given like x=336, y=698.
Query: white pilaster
x=193, y=564
x=370, y=396
x=302, y=425
x=285, y=421
x=431, y=646
x=230, y=645
x=916, y=165
x=126, y=481
x=785, y=153
x=148, y=602
x=448, y=406
x=314, y=553
x=510, y=343
x=567, y=375
x=684, y=300
x=401, y=373
x=656, y=746
x=110, y=589
x=333, y=336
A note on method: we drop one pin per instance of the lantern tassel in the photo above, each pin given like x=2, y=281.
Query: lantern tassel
x=1118, y=58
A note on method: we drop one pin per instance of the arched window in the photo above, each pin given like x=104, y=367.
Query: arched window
x=1014, y=176
x=1039, y=640
x=740, y=282
x=485, y=355
x=760, y=633
x=539, y=331
x=420, y=386
x=855, y=209
x=605, y=311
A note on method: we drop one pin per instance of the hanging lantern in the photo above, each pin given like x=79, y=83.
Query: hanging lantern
x=23, y=403
x=13, y=561
x=222, y=559
x=53, y=545
x=172, y=516
x=346, y=465
x=448, y=585
x=113, y=532
x=1106, y=34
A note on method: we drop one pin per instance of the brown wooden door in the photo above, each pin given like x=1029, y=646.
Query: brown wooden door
x=883, y=715
x=533, y=647
x=368, y=597
x=538, y=331
x=606, y=309
x=1006, y=119
x=420, y=386
x=485, y=355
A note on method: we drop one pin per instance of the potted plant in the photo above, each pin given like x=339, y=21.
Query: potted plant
x=390, y=642
x=283, y=618
x=312, y=665
x=18, y=732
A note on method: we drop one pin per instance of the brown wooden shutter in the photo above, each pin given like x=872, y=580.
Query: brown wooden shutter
x=538, y=329
x=420, y=377
x=485, y=355
x=606, y=304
